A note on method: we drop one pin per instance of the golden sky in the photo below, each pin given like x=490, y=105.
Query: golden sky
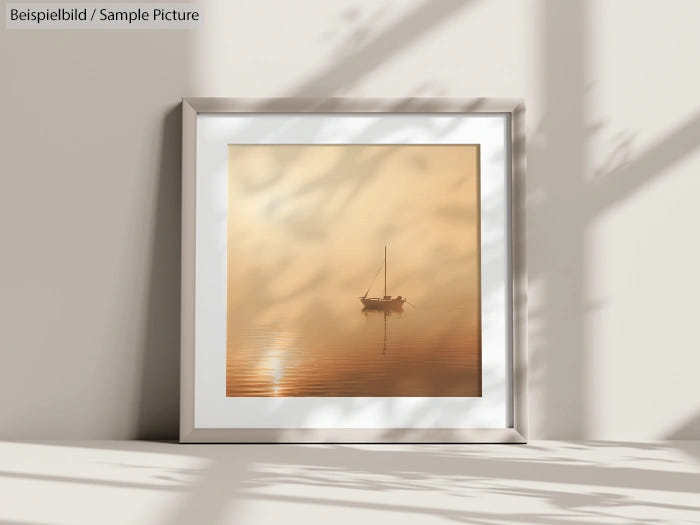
x=307, y=226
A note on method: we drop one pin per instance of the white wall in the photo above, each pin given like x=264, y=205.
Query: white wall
x=89, y=207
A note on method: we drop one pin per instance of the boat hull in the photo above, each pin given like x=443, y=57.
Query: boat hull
x=375, y=303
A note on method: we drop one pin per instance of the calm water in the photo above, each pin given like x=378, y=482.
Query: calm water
x=422, y=351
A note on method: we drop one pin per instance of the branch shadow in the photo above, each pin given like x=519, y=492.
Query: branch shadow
x=544, y=483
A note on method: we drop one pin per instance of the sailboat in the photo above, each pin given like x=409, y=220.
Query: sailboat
x=382, y=303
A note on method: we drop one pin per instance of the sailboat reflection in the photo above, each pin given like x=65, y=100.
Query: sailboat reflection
x=370, y=312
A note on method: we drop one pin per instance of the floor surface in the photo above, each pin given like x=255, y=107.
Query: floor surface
x=552, y=483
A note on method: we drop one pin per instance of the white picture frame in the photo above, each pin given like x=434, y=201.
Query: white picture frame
x=209, y=125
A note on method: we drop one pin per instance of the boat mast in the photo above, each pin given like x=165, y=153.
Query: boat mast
x=384, y=271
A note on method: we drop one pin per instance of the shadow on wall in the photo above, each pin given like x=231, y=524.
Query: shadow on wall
x=362, y=57
x=158, y=410
x=566, y=196
x=688, y=430
x=686, y=436
x=556, y=227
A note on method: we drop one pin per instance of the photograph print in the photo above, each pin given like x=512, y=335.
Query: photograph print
x=353, y=270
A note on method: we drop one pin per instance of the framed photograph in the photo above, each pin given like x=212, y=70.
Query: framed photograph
x=353, y=270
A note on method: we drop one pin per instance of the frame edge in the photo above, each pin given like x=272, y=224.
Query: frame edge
x=519, y=270
x=187, y=276
x=354, y=435
x=353, y=105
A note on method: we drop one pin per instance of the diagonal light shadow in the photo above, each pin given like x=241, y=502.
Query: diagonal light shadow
x=556, y=225
x=560, y=220
x=558, y=482
x=357, y=64
x=622, y=182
